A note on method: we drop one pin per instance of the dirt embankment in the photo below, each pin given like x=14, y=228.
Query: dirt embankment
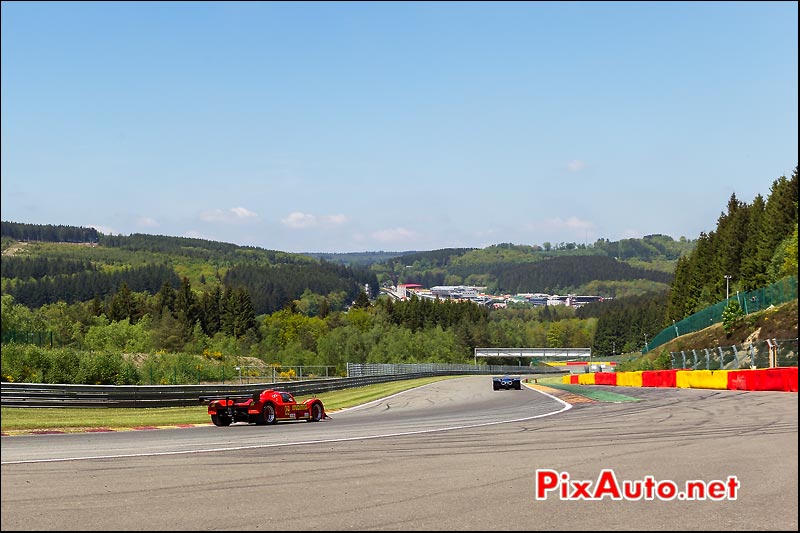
x=14, y=248
x=776, y=323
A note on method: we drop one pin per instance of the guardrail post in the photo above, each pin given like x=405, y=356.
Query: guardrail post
x=772, y=345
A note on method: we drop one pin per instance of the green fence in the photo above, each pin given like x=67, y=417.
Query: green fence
x=38, y=338
x=778, y=293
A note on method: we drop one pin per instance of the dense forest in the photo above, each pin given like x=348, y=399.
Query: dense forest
x=753, y=245
x=565, y=274
x=82, y=307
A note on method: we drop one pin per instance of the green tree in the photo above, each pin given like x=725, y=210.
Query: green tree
x=187, y=309
x=362, y=301
x=732, y=316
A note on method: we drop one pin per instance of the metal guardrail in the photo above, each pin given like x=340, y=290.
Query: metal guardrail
x=759, y=354
x=136, y=396
x=375, y=369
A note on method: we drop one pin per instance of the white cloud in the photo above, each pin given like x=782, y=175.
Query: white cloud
x=146, y=222
x=232, y=215
x=243, y=212
x=576, y=165
x=393, y=235
x=335, y=220
x=298, y=220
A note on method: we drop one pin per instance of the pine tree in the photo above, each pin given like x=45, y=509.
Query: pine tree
x=362, y=301
x=186, y=309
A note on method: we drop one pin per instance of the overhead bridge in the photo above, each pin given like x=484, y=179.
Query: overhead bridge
x=572, y=354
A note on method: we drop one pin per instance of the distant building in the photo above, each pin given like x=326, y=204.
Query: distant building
x=462, y=292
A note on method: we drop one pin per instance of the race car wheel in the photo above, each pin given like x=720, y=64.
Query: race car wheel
x=268, y=414
x=316, y=412
x=221, y=420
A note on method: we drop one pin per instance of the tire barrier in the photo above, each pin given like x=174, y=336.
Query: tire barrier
x=783, y=379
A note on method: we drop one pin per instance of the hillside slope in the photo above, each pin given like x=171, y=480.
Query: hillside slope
x=777, y=323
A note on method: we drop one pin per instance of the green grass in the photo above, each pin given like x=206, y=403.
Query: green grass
x=21, y=419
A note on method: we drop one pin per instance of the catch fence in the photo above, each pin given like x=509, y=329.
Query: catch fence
x=778, y=293
x=761, y=354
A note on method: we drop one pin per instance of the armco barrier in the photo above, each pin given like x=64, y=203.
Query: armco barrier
x=60, y=395
x=48, y=395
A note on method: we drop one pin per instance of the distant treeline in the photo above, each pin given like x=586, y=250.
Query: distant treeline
x=200, y=249
x=26, y=268
x=624, y=325
x=508, y=267
x=86, y=285
x=272, y=288
x=48, y=233
x=435, y=258
x=563, y=274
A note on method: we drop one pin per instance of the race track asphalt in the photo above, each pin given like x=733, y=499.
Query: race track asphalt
x=452, y=455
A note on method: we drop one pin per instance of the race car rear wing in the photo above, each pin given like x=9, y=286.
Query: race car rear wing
x=208, y=399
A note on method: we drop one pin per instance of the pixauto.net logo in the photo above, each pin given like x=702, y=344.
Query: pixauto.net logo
x=549, y=482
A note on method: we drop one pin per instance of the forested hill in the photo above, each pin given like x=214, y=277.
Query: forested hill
x=563, y=267
x=53, y=265
x=45, y=269
x=559, y=275
x=48, y=233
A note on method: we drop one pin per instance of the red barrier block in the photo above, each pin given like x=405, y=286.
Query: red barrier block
x=764, y=379
x=770, y=379
x=790, y=378
x=666, y=378
x=737, y=379
x=605, y=378
x=659, y=378
x=650, y=378
x=573, y=379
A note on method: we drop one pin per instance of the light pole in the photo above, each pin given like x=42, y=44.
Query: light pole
x=727, y=285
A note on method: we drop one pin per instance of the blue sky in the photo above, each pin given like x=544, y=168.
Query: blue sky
x=367, y=126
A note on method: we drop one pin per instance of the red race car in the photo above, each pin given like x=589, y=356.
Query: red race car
x=265, y=407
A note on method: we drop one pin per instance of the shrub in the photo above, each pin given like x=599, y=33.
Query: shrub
x=732, y=316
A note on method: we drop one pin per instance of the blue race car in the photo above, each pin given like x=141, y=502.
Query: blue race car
x=507, y=382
